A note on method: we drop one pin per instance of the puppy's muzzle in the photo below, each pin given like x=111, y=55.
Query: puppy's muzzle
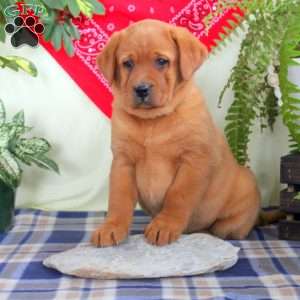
x=142, y=94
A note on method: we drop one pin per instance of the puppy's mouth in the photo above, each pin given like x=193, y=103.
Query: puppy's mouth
x=145, y=106
x=144, y=103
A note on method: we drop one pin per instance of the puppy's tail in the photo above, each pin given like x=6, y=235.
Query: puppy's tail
x=269, y=217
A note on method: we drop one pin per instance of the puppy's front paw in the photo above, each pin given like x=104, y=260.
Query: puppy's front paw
x=109, y=234
x=162, y=231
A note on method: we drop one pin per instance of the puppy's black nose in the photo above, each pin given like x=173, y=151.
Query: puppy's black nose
x=142, y=91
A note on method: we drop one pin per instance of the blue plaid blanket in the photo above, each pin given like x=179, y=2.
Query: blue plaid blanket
x=267, y=268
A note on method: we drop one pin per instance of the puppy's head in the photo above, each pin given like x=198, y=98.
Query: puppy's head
x=146, y=62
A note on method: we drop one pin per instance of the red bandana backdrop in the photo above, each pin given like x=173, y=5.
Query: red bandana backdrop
x=119, y=14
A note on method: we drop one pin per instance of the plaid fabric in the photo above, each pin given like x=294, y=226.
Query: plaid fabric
x=267, y=268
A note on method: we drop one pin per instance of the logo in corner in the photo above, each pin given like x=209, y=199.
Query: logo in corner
x=25, y=26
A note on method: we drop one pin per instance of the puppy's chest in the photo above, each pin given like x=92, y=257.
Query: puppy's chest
x=154, y=175
x=156, y=164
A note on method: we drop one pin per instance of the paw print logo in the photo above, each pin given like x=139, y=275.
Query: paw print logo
x=25, y=31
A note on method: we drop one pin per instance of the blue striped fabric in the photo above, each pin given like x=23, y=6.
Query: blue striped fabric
x=267, y=268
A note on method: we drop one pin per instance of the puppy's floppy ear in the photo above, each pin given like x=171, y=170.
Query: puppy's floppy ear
x=106, y=60
x=191, y=51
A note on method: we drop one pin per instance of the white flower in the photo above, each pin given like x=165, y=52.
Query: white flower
x=271, y=69
x=278, y=95
x=276, y=62
x=273, y=80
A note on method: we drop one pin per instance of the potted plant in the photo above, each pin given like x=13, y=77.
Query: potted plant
x=289, y=77
x=263, y=89
x=17, y=149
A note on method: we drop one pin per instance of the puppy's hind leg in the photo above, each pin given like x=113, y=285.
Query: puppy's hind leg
x=241, y=212
x=243, y=217
x=235, y=227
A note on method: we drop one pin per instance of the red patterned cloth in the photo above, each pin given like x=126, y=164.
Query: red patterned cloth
x=119, y=14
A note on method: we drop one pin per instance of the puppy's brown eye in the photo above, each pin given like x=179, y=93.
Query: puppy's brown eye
x=128, y=64
x=161, y=62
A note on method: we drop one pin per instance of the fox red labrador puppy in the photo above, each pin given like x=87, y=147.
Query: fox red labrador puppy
x=167, y=152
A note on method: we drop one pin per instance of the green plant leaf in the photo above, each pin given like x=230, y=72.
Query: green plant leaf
x=2, y=113
x=49, y=27
x=20, y=130
x=49, y=21
x=33, y=146
x=8, y=133
x=55, y=4
x=15, y=129
x=21, y=156
x=6, y=178
x=10, y=166
x=74, y=7
x=17, y=62
x=44, y=162
x=72, y=30
x=24, y=64
x=290, y=92
x=86, y=7
x=2, y=25
x=57, y=36
x=19, y=118
x=68, y=45
x=98, y=7
x=9, y=64
x=14, y=149
x=2, y=33
x=4, y=136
